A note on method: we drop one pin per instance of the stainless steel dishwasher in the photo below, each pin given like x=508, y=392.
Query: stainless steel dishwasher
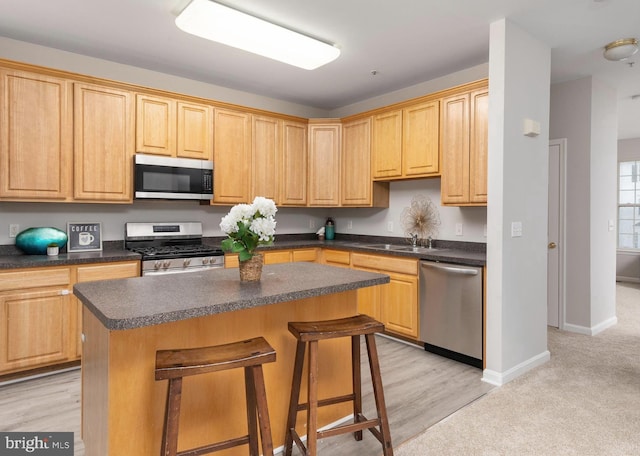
x=451, y=305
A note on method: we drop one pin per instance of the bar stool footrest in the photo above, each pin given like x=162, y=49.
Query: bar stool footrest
x=351, y=427
x=206, y=449
x=328, y=401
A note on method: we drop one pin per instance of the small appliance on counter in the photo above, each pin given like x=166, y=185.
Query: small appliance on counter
x=36, y=241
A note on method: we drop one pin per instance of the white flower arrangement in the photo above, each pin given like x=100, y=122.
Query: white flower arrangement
x=248, y=226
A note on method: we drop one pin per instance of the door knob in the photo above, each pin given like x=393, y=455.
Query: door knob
x=552, y=245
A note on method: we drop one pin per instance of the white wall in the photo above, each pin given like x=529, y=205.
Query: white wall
x=585, y=112
x=374, y=221
x=628, y=262
x=519, y=72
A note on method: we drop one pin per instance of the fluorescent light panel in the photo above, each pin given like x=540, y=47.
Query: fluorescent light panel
x=225, y=25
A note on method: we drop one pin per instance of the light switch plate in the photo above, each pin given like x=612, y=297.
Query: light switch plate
x=14, y=229
x=516, y=229
x=458, y=229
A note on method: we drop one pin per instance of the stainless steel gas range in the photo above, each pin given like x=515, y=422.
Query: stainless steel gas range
x=171, y=247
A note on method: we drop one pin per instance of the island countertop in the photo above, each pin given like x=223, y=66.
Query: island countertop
x=145, y=301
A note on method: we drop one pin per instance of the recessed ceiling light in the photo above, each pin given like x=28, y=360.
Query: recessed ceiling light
x=621, y=49
x=231, y=27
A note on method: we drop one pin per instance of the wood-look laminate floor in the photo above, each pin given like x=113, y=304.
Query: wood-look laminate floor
x=420, y=390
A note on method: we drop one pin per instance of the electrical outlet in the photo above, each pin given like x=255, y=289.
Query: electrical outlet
x=312, y=223
x=458, y=229
x=350, y=225
x=390, y=227
x=14, y=229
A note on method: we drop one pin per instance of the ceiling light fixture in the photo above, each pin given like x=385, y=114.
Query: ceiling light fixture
x=231, y=27
x=621, y=49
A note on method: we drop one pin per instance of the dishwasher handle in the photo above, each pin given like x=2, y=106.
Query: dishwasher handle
x=452, y=269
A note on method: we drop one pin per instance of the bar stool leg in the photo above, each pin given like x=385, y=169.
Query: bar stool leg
x=295, y=397
x=312, y=393
x=172, y=416
x=357, y=383
x=257, y=376
x=252, y=425
x=376, y=379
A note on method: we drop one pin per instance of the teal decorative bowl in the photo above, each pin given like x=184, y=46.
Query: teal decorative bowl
x=34, y=241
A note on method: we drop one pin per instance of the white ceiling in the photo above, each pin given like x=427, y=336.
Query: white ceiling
x=405, y=41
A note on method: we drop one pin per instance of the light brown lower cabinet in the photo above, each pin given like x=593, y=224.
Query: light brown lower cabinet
x=277, y=256
x=394, y=304
x=39, y=316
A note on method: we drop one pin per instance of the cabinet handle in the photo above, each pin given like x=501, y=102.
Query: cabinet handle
x=63, y=292
x=450, y=269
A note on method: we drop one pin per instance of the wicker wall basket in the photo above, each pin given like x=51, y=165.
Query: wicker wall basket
x=251, y=270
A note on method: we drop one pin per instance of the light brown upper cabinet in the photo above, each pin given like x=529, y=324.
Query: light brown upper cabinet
x=36, y=137
x=231, y=157
x=464, y=149
x=265, y=155
x=406, y=142
x=387, y=145
x=357, y=187
x=324, y=162
x=173, y=128
x=293, y=164
x=103, y=144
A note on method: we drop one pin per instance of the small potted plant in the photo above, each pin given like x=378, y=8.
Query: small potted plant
x=248, y=226
x=53, y=249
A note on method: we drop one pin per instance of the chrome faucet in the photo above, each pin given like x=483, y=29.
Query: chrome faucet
x=430, y=242
x=414, y=239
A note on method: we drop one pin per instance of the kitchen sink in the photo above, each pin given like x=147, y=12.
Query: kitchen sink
x=402, y=248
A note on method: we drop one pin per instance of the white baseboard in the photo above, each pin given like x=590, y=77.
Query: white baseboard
x=500, y=378
x=627, y=279
x=591, y=331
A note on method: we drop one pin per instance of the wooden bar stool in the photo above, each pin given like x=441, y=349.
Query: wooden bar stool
x=311, y=332
x=250, y=354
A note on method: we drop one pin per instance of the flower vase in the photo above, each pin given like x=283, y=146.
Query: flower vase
x=251, y=269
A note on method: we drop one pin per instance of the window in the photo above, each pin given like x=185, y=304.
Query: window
x=629, y=205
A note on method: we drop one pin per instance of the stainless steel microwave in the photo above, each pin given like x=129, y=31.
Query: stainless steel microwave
x=172, y=178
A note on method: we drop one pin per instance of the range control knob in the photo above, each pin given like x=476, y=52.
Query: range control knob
x=205, y=261
x=157, y=265
x=166, y=264
x=186, y=262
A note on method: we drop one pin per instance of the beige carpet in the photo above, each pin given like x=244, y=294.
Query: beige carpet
x=584, y=401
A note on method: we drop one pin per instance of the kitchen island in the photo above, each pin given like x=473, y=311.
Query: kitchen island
x=126, y=321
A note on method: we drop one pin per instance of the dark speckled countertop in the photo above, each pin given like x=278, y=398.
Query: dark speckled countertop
x=145, y=301
x=12, y=258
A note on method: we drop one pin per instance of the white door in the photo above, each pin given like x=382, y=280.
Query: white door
x=555, y=248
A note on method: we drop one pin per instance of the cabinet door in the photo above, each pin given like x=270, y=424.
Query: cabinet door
x=324, y=164
x=293, y=165
x=478, y=147
x=304, y=255
x=387, y=144
x=399, y=304
x=231, y=156
x=420, y=139
x=35, y=329
x=356, y=163
x=155, y=125
x=369, y=299
x=265, y=155
x=455, y=149
x=35, y=137
x=94, y=272
x=195, y=131
x=103, y=144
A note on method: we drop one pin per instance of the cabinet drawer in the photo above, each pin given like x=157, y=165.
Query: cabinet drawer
x=385, y=263
x=231, y=260
x=35, y=278
x=108, y=271
x=305, y=255
x=337, y=256
x=281, y=256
